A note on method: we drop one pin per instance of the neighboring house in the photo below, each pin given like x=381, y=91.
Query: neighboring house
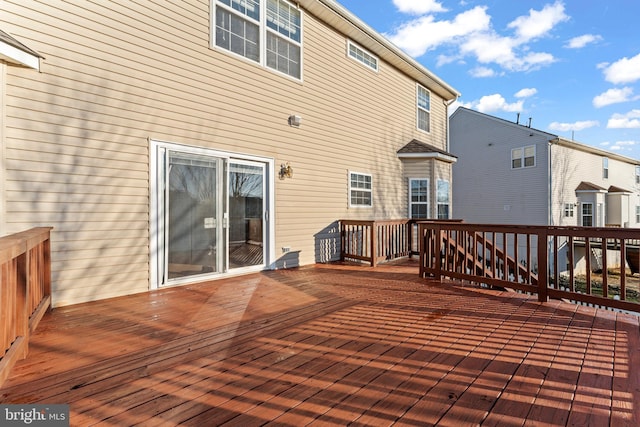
x=510, y=173
x=173, y=142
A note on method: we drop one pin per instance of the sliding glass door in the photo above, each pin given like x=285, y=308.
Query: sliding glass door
x=211, y=214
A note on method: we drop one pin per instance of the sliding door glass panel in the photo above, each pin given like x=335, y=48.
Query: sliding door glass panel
x=246, y=214
x=193, y=215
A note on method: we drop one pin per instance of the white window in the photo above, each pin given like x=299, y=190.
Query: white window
x=605, y=167
x=442, y=198
x=362, y=56
x=418, y=198
x=360, y=190
x=568, y=210
x=587, y=214
x=244, y=26
x=423, y=98
x=523, y=157
x=637, y=214
x=637, y=174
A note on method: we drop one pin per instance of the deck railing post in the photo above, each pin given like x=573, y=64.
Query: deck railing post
x=374, y=243
x=543, y=262
x=438, y=233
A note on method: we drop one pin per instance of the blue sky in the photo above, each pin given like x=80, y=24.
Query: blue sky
x=572, y=66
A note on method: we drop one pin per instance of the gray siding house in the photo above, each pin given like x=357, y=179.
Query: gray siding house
x=510, y=173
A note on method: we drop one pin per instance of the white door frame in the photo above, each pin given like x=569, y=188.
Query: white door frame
x=156, y=178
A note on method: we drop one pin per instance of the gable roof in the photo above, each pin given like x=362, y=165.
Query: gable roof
x=589, y=186
x=464, y=110
x=14, y=52
x=614, y=189
x=338, y=17
x=422, y=150
x=553, y=139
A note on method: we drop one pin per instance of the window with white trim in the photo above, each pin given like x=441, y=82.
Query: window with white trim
x=442, y=199
x=587, y=214
x=423, y=100
x=523, y=157
x=419, y=198
x=568, y=210
x=637, y=214
x=362, y=56
x=605, y=167
x=243, y=27
x=637, y=174
x=360, y=190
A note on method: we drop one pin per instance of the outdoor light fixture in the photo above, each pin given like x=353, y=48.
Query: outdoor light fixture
x=286, y=171
x=295, y=120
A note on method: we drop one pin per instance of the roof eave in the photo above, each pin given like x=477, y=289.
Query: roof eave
x=437, y=156
x=353, y=27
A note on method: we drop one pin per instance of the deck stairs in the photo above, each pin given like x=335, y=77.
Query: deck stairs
x=461, y=255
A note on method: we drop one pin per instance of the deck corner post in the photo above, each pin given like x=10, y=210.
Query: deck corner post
x=439, y=233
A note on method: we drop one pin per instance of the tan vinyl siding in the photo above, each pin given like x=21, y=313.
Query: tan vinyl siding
x=117, y=74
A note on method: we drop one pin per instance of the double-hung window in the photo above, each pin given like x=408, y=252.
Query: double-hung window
x=423, y=100
x=637, y=214
x=419, y=198
x=268, y=32
x=637, y=174
x=360, y=190
x=587, y=214
x=523, y=157
x=605, y=167
x=442, y=197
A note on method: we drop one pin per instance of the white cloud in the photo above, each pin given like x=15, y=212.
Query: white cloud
x=614, y=96
x=482, y=72
x=580, y=125
x=539, y=23
x=418, y=36
x=631, y=120
x=623, y=145
x=625, y=70
x=526, y=92
x=419, y=7
x=470, y=34
x=583, y=40
x=496, y=102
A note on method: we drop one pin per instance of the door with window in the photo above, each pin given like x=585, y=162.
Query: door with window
x=211, y=214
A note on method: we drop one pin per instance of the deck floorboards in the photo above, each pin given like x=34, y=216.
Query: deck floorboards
x=333, y=345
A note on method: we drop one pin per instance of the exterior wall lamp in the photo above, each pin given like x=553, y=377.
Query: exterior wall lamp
x=286, y=171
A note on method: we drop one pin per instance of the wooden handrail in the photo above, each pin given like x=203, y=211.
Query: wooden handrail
x=25, y=291
x=532, y=259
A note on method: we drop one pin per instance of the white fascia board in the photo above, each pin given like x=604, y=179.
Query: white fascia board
x=437, y=156
x=13, y=55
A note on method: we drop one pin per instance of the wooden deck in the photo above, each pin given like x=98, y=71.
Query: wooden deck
x=334, y=345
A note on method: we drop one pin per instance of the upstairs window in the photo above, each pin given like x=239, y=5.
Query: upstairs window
x=637, y=174
x=243, y=27
x=360, y=190
x=605, y=167
x=362, y=56
x=523, y=157
x=423, y=98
